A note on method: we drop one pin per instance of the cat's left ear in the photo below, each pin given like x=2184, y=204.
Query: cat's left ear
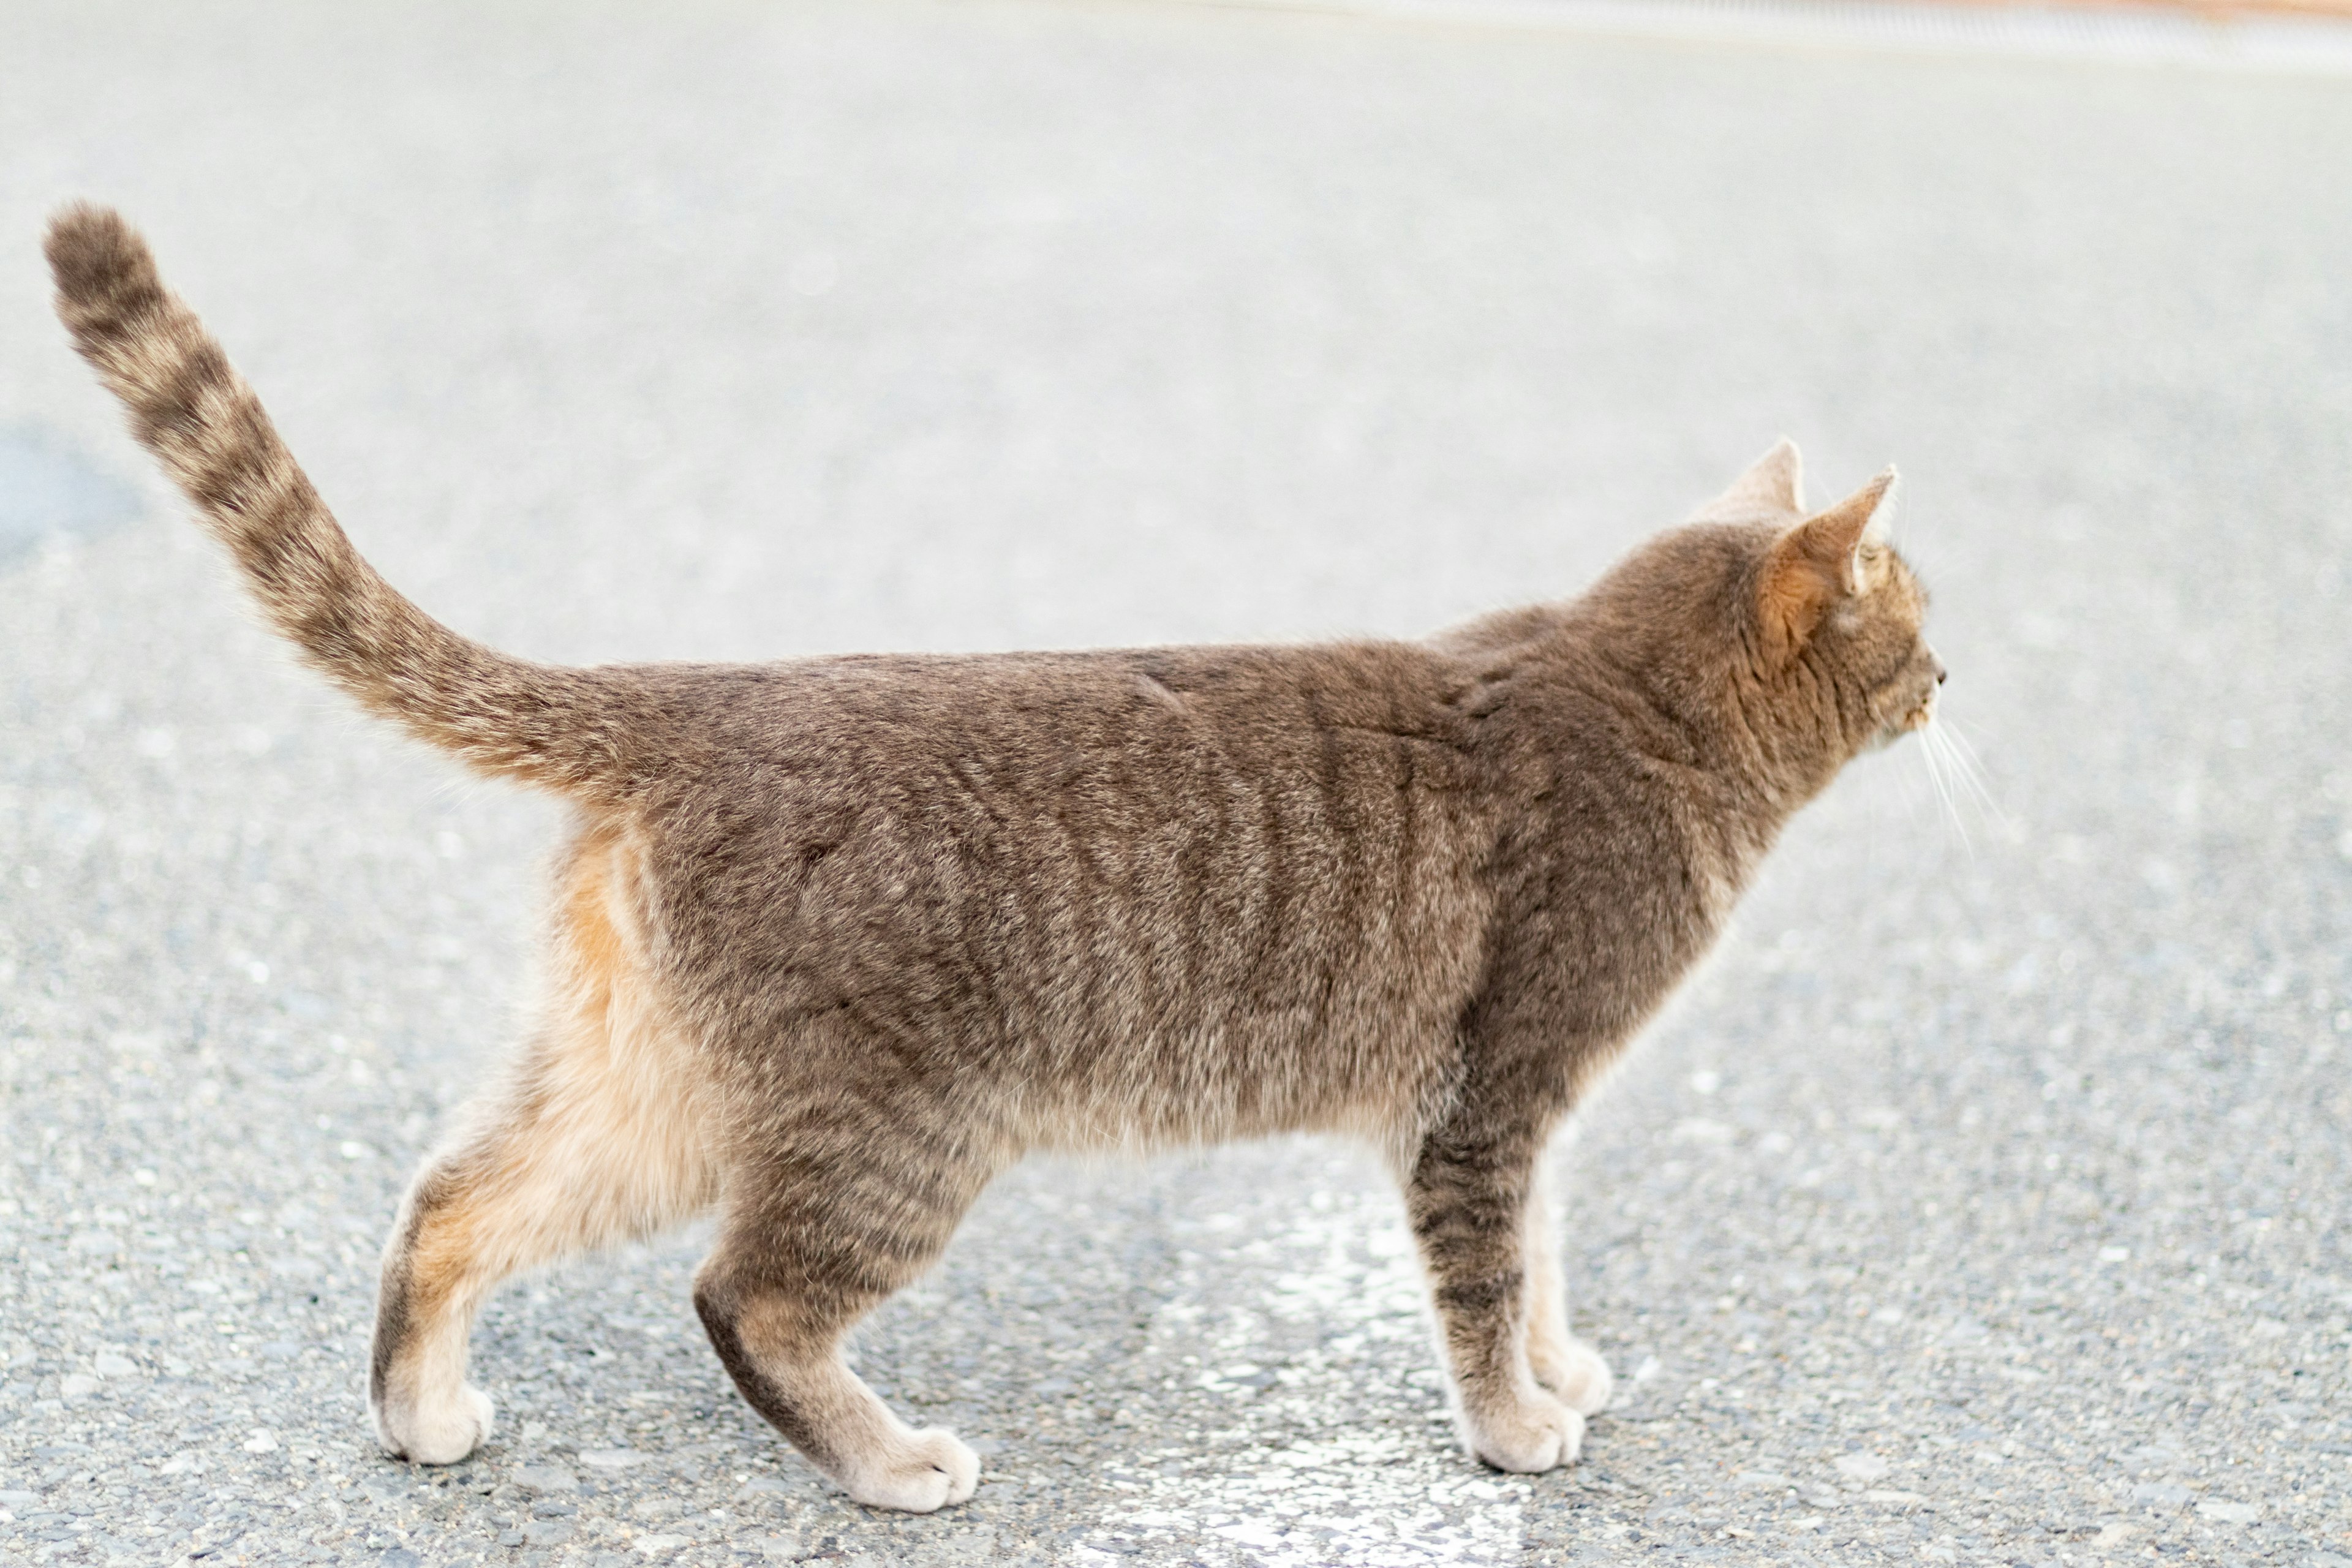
x=1828, y=557
x=1773, y=487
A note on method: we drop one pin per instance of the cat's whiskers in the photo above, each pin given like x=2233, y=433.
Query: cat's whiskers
x=1933, y=757
x=1957, y=777
x=1969, y=769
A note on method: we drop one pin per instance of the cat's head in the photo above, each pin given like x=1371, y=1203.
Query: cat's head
x=1801, y=629
x=1833, y=614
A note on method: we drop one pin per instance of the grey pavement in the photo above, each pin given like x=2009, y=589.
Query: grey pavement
x=1984, y=1201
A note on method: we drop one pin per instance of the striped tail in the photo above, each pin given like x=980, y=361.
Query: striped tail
x=574, y=730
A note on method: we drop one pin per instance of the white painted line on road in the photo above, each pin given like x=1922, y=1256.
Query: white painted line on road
x=1301, y=1483
x=2125, y=35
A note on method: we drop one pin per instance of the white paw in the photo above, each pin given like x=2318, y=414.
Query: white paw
x=917, y=1472
x=1539, y=1434
x=435, y=1431
x=1577, y=1373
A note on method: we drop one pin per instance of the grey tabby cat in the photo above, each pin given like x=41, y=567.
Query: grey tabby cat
x=837, y=941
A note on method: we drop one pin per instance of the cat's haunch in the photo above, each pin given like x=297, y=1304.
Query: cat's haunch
x=838, y=940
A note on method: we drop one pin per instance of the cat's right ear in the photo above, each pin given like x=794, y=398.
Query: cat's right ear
x=1829, y=556
x=1773, y=487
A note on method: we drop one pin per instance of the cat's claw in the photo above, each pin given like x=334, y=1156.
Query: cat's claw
x=435, y=1432
x=1541, y=1433
x=924, y=1471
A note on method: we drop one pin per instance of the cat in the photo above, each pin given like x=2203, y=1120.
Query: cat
x=838, y=940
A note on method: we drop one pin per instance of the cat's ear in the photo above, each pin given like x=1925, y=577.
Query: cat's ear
x=1773, y=486
x=1829, y=556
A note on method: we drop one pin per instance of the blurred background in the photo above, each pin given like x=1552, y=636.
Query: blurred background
x=1983, y=1201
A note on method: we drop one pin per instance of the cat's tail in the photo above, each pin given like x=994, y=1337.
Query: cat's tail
x=569, y=730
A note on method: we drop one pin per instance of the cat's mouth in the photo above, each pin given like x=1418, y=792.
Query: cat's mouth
x=1922, y=712
x=1910, y=721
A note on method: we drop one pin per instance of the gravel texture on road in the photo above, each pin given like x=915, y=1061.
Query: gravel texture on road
x=1984, y=1200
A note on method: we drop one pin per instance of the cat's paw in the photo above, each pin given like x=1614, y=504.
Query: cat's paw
x=1538, y=1433
x=1576, y=1372
x=435, y=1431
x=917, y=1472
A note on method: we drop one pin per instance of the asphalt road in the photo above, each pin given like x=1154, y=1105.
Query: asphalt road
x=1985, y=1200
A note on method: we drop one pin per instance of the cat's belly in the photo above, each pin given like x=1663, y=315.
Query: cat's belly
x=1370, y=1073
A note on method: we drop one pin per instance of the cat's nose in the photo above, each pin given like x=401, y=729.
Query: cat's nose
x=1941, y=673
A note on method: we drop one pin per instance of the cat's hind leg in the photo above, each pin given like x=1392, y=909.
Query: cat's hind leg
x=847, y=1199
x=1561, y=1362
x=573, y=1157
x=594, y=1138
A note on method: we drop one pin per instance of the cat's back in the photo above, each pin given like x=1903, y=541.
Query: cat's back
x=1094, y=739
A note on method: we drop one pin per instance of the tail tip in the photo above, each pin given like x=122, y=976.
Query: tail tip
x=94, y=255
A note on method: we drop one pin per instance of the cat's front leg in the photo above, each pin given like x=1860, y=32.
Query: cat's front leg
x=1466, y=1196
x=1561, y=1362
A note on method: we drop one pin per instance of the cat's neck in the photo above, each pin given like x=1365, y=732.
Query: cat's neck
x=1728, y=789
